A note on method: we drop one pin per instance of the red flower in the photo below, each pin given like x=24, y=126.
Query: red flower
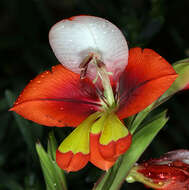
x=171, y=172
x=93, y=90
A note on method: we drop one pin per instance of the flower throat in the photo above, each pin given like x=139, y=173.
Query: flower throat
x=107, y=96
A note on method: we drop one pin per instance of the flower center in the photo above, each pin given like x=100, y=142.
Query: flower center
x=107, y=96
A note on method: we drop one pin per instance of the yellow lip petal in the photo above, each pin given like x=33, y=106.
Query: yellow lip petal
x=113, y=130
x=78, y=140
x=98, y=126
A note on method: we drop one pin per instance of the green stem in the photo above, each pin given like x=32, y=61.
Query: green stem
x=114, y=178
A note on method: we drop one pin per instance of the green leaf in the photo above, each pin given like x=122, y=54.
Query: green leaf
x=139, y=118
x=140, y=142
x=52, y=146
x=54, y=176
x=51, y=149
x=182, y=69
x=47, y=167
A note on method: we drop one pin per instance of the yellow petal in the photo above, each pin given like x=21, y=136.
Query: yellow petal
x=78, y=140
x=113, y=130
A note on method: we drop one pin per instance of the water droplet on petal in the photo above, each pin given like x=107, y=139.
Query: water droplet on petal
x=149, y=173
x=160, y=183
x=161, y=175
x=91, y=108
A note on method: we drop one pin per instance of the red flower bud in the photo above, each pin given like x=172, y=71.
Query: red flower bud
x=170, y=172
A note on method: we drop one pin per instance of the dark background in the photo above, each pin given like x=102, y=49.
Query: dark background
x=24, y=52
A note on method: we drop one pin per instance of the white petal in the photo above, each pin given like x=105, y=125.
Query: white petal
x=73, y=39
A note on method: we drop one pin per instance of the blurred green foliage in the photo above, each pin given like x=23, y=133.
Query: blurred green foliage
x=25, y=52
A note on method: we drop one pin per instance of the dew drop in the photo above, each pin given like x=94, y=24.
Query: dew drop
x=61, y=108
x=91, y=108
x=161, y=176
x=55, y=184
x=173, y=178
x=38, y=81
x=149, y=173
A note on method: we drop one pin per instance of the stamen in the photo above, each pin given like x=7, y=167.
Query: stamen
x=84, y=65
x=96, y=78
x=107, y=95
x=102, y=97
x=99, y=63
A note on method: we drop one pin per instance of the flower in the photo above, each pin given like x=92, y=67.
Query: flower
x=96, y=88
x=170, y=172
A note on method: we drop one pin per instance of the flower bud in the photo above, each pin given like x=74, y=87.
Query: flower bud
x=170, y=172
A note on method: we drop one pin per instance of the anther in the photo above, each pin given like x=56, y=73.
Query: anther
x=100, y=64
x=84, y=65
x=92, y=57
x=86, y=61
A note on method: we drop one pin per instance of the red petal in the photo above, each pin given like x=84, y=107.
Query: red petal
x=71, y=162
x=95, y=156
x=57, y=98
x=146, y=78
x=114, y=149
